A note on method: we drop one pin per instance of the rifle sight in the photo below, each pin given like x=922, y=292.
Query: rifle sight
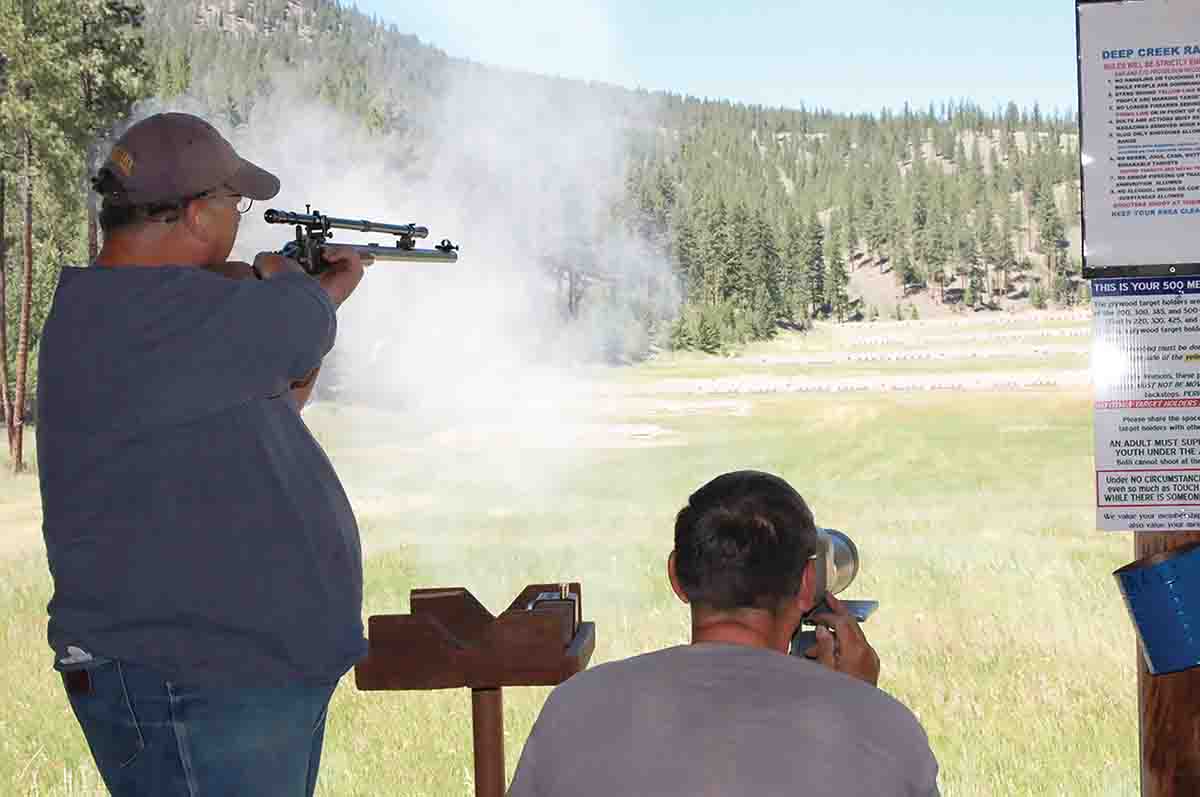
x=313, y=231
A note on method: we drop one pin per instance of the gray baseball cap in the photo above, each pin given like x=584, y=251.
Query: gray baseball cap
x=176, y=156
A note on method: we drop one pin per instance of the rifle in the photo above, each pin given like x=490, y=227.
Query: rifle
x=313, y=230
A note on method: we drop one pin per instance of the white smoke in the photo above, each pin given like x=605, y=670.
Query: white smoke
x=518, y=168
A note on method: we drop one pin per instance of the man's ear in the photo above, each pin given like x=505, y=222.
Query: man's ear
x=674, y=577
x=197, y=217
x=808, y=586
x=792, y=610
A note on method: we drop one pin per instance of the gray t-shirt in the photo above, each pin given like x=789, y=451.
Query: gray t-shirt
x=714, y=719
x=192, y=522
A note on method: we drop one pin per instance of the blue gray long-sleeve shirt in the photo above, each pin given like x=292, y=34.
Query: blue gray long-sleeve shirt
x=192, y=522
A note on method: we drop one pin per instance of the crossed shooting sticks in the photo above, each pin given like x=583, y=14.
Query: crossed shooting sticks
x=449, y=641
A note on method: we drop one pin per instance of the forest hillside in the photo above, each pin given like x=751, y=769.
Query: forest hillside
x=755, y=218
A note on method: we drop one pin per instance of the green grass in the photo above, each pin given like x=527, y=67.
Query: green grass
x=905, y=349
x=693, y=369
x=1000, y=624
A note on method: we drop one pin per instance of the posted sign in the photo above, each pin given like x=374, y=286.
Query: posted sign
x=1139, y=91
x=1146, y=372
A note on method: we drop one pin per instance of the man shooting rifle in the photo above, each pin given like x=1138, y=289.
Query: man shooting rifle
x=206, y=560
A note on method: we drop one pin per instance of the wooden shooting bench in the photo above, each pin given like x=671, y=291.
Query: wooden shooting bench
x=449, y=641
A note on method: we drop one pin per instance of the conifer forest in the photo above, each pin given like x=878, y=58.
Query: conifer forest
x=764, y=215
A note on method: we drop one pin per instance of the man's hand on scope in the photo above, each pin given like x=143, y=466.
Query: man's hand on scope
x=841, y=644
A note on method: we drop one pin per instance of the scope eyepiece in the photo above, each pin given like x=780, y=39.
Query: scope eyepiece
x=273, y=216
x=839, y=556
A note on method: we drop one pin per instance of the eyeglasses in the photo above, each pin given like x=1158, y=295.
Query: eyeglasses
x=243, y=206
x=171, y=208
x=244, y=203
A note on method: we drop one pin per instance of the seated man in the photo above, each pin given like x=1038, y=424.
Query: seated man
x=733, y=713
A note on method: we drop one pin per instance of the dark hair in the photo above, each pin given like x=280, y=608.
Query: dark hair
x=114, y=216
x=742, y=541
x=116, y=211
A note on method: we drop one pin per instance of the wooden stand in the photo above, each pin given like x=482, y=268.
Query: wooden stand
x=1168, y=706
x=451, y=641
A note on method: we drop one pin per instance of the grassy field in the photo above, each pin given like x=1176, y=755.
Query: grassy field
x=1000, y=623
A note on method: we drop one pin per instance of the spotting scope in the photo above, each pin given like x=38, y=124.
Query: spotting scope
x=835, y=565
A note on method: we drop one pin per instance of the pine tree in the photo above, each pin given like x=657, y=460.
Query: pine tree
x=39, y=112
x=682, y=337
x=1037, y=296
x=798, y=297
x=735, y=286
x=716, y=244
x=996, y=177
x=836, y=278
x=113, y=74
x=816, y=263
x=689, y=262
x=766, y=268
x=886, y=228
x=933, y=250
x=1065, y=291
x=1073, y=203
x=851, y=227
x=906, y=272
x=974, y=271
x=1050, y=233
x=708, y=333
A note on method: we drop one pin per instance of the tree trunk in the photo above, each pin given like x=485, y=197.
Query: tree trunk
x=6, y=405
x=86, y=85
x=26, y=308
x=93, y=237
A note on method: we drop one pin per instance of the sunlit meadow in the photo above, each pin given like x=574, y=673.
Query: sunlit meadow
x=1000, y=624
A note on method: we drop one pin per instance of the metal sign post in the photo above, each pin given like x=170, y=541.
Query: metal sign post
x=450, y=641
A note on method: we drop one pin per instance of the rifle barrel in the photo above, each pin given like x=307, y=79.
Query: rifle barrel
x=373, y=252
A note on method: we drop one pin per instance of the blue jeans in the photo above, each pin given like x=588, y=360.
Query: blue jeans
x=150, y=736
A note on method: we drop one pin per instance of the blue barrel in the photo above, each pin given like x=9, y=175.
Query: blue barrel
x=1162, y=593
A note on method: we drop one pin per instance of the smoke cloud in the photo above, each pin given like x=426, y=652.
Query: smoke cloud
x=521, y=172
